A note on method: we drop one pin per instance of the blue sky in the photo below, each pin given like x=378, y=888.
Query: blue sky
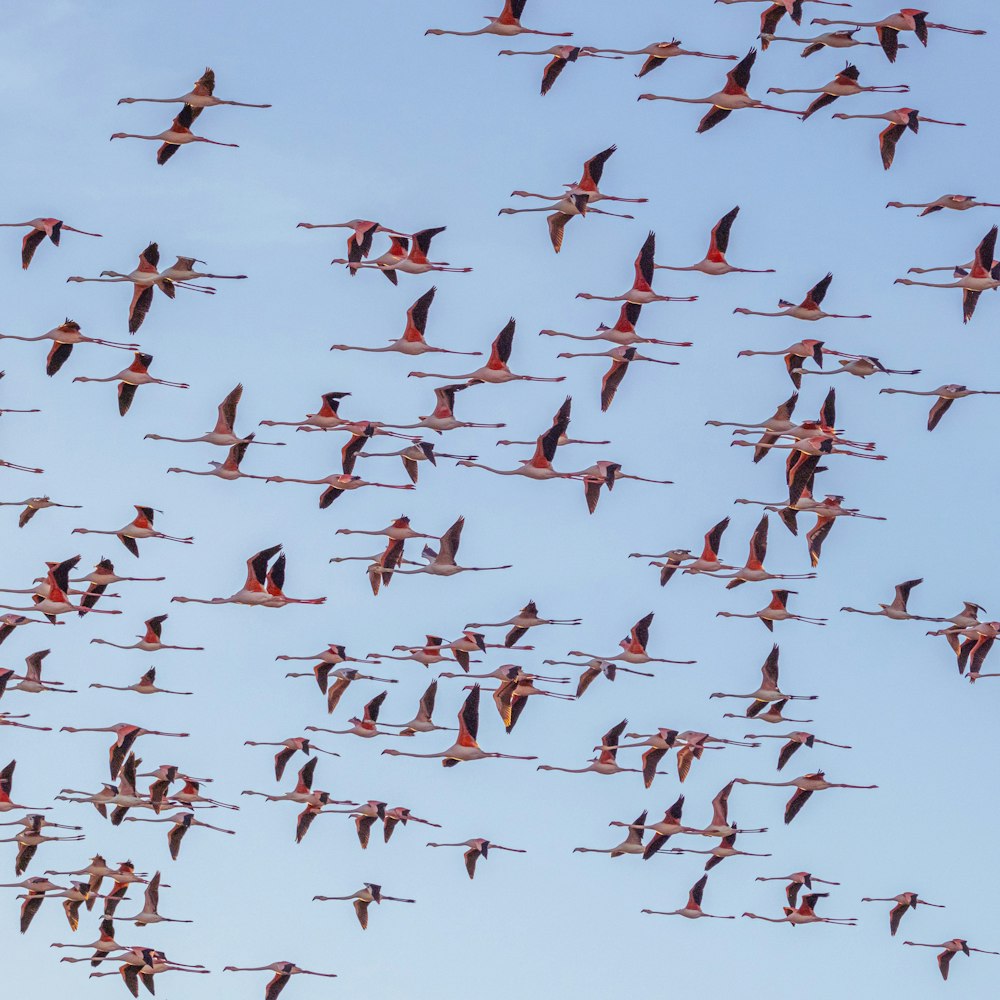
x=371, y=119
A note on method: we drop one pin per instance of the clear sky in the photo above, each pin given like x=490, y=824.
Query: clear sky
x=371, y=119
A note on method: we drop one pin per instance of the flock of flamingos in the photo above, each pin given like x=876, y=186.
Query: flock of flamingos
x=116, y=896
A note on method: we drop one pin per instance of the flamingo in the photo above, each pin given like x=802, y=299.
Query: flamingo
x=707, y=562
x=904, y=901
x=633, y=648
x=73, y=899
x=622, y=333
x=400, y=814
x=413, y=262
x=140, y=964
x=141, y=526
x=657, y=54
x=229, y=470
x=804, y=786
x=772, y=15
x=899, y=119
x=778, y=423
x=145, y=685
x=539, y=466
x=422, y=722
x=593, y=171
x=692, y=909
x=768, y=691
x=478, y=847
x=714, y=261
x=101, y=577
x=466, y=747
x=945, y=395
x=662, y=831
x=150, y=640
x=526, y=618
x=753, y=571
x=776, y=611
x=289, y=748
x=223, y=434
x=474, y=642
x=412, y=342
x=337, y=484
x=126, y=734
x=511, y=697
x=129, y=379
x=731, y=98
x=38, y=229
x=6, y=786
x=398, y=530
x=283, y=971
x=724, y=849
x=561, y=56
x=721, y=825
x=364, y=817
x=7, y=719
x=433, y=650
x=794, y=741
x=805, y=913
x=386, y=263
x=621, y=358
x=808, y=309
x=64, y=338
x=641, y=293
x=690, y=746
x=182, y=270
x=793, y=356
x=844, y=84
x=262, y=586
x=151, y=901
x=956, y=202
x=829, y=39
x=31, y=682
x=795, y=882
x=369, y=893
x=772, y=715
x=303, y=792
x=412, y=455
x=443, y=418
x=606, y=762
x=907, y=19
x=30, y=839
x=567, y=207
x=808, y=450
x=982, y=275
x=180, y=824
x=177, y=134
x=442, y=562
x=495, y=371
x=33, y=505
x=632, y=844
x=605, y=474
x=201, y=96
x=896, y=611
x=950, y=949
x=359, y=243
x=365, y=727
x=144, y=279
x=343, y=677
x=602, y=668
x=104, y=945
x=507, y=24
x=55, y=601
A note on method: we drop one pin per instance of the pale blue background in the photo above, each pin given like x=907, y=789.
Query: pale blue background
x=372, y=119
